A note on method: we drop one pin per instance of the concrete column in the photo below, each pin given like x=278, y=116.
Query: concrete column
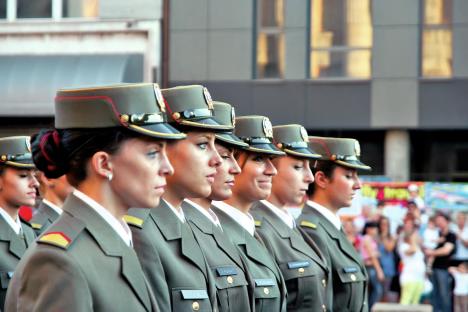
x=397, y=155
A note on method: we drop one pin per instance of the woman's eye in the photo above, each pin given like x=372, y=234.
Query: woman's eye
x=225, y=156
x=298, y=167
x=203, y=146
x=152, y=154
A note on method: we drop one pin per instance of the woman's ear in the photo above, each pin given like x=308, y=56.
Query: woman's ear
x=321, y=180
x=101, y=164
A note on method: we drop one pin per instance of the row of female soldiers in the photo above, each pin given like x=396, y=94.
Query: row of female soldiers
x=177, y=205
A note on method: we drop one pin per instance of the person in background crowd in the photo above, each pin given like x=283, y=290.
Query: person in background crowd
x=110, y=142
x=53, y=192
x=430, y=240
x=413, y=195
x=460, y=292
x=413, y=274
x=413, y=212
x=17, y=187
x=387, y=244
x=441, y=279
x=353, y=236
x=460, y=229
x=370, y=255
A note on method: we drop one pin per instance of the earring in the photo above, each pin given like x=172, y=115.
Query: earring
x=109, y=176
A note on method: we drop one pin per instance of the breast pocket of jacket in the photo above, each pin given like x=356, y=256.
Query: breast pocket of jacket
x=354, y=281
x=302, y=280
x=267, y=294
x=5, y=278
x=188, y=300
x=231, y=286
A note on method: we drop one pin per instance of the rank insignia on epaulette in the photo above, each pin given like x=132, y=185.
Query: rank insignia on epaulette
x=133, y=220
x=36, y=226
x=55, y=238
x=258, y=223
x=308, y=224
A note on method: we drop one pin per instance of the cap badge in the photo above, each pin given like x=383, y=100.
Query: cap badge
x=159, y=98
x=357, y=148
x=267, y=128
x=233, y=117
x=304, y=135
x=208, y=98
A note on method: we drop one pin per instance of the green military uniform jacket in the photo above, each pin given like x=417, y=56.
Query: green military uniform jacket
x=43, y=218
x=12, y=249
x=303, y=266
x=268, y=287
x=172, y=260
x=224, y=260
x=349, y=276
x=79, y=264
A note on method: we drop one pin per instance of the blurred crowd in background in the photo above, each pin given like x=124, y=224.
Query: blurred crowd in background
x=420, y=258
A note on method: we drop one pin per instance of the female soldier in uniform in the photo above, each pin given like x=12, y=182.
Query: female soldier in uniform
x=336, y=181
x=17, y=188
x=53, y=192
x=222, y=256
x=171, y=258
x=110, y=142
x=303, y=266
x=251, y=185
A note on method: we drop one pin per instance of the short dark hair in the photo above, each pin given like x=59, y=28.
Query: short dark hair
x=326, y=166
x=66, y=151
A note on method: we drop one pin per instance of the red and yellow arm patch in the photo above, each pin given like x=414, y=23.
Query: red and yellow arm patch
x=55, y=238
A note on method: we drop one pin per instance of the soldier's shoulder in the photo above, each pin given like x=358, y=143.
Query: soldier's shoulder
x=137, y=216
x=63, y=233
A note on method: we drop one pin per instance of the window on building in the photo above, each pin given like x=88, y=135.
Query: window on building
x=437, y=38
x=56, y=9
x=270, y=39
x=341, y=39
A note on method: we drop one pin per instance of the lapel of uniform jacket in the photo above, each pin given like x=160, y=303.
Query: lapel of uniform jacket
x=28, y=233
x=293, y=236
x=52, y=215
x=112, y=245
x=172, y=229
x=341, y=239
x=16, y=243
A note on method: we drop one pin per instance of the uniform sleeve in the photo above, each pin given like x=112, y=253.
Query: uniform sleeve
x=49, y=281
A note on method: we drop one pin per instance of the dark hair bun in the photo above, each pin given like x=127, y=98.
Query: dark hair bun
x=47, y=153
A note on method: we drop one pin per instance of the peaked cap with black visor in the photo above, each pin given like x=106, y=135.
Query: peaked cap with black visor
x=15, y=151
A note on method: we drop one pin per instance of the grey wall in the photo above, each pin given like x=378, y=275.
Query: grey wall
x=137, y=9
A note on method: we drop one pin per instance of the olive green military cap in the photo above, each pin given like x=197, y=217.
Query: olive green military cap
x=192, y=106
x=344, y=152
x=136, y=106
x=293, y=140
x=15, y=151
x=257, y=131
x=225, y=114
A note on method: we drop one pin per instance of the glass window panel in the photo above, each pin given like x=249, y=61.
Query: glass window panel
x=3, y=9
x=341, y=30
x=34, y=9
x=271, y=13
x=270, y=55
x=80, y=8
x=438, y=12
x=437, y=52
x=344, y=63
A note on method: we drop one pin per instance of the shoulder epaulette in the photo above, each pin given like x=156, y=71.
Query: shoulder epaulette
x=258, y=223
x=58, y=239
x=62, y=233
x=308, y=224
x=137, y=217
x=36, y=226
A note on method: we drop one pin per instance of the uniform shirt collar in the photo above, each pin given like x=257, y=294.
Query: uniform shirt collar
x=283, y=214
x=14, y=224
x=207, y=213
x=330, y=216
x=244, y=219
x=54, y=207
x=179, y=213
x=119, y=226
